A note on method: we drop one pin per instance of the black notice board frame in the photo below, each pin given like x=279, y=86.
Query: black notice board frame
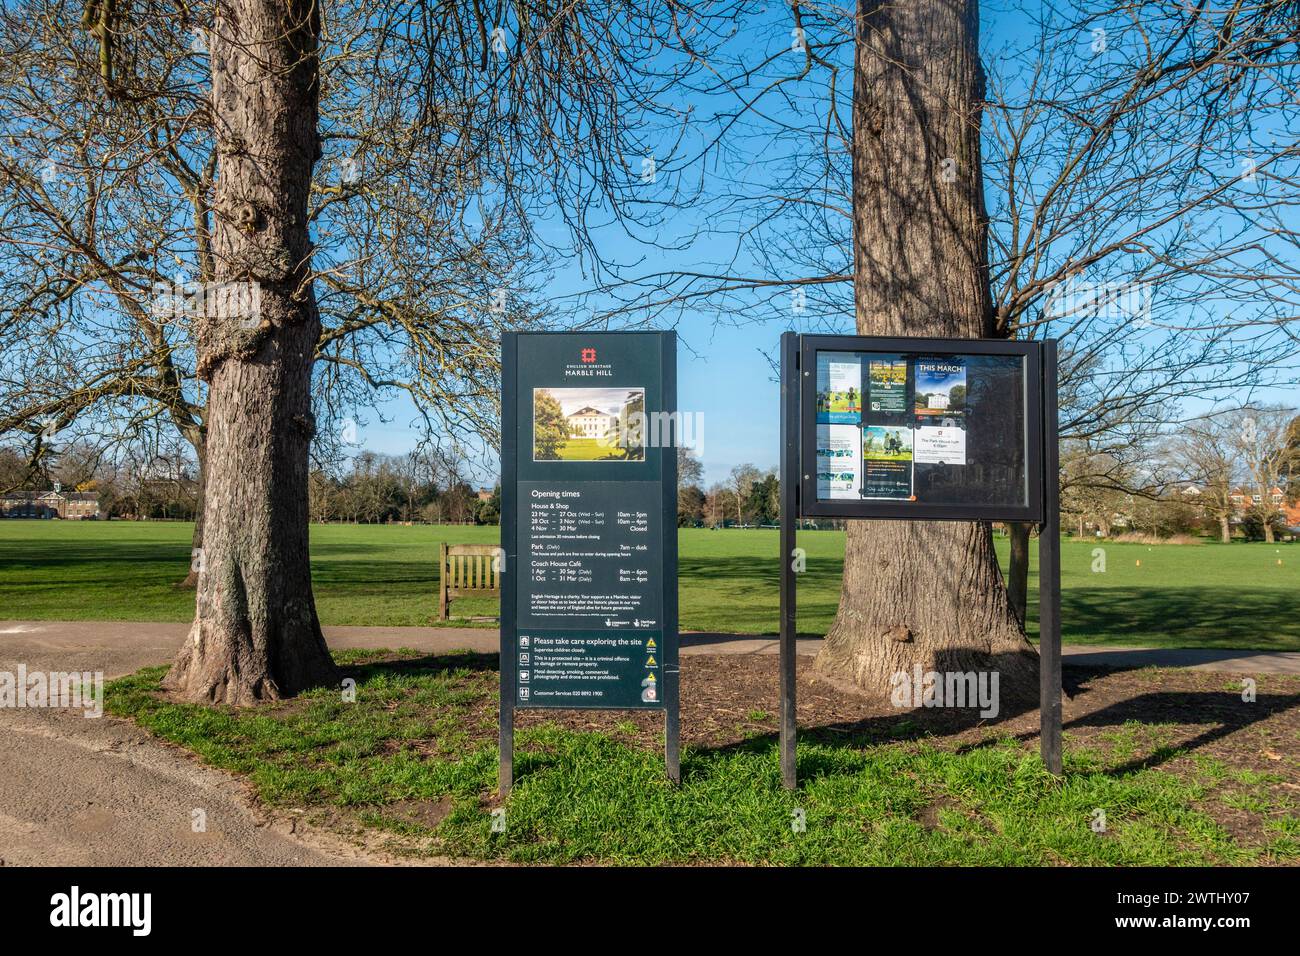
x=798, y=435
x=666, y=343
x=1031, y=354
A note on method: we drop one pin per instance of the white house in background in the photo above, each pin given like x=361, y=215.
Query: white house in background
x=588, y=422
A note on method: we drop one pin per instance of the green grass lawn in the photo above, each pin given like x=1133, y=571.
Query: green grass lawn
x=415, y=757
x=591, y=449
x=1210, y=595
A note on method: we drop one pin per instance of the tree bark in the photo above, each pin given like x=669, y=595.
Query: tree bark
x=1225, y=530
x=928, y=593
x=255, y=634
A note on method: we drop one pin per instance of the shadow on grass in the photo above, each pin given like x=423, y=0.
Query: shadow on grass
x=1257, y=618
x=1219, y=714
x=1223, y=714
x=41, y=554
x=756, y=571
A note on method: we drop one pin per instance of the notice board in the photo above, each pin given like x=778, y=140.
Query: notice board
x=589, y=521
x=920, y=428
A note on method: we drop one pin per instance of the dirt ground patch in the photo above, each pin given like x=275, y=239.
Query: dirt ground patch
x=729, y=699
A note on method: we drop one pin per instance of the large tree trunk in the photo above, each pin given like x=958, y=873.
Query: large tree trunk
x=928, y=593
x=1225, y=530
x=255, y=634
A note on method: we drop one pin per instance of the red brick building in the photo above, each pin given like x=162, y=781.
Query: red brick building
x=71, y=505
x=1243, y=501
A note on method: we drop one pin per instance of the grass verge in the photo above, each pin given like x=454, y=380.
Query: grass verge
x=414, y=758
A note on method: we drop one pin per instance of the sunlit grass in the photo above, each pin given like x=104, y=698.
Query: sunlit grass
x=1210, y=595
x=423, y=730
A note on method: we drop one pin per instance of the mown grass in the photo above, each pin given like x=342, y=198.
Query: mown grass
x=423, y=730
x=1210, y=595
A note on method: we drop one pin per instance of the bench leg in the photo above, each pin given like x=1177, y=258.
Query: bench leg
x=442, y=582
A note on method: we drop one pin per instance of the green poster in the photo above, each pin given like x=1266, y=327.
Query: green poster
x=887, y=384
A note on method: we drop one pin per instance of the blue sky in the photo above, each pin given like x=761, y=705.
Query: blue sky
x=728, y=379
x=724, y=367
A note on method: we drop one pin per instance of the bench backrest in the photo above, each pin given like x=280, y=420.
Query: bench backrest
x=467, y=570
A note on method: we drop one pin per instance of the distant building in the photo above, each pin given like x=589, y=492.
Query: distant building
x=70, y=505
x=591, y=422
x=1291, y=515
x=484, y=495
x=1243, y=501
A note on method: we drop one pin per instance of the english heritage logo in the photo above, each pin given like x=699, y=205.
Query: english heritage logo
x=73, y=909
x=587, y=365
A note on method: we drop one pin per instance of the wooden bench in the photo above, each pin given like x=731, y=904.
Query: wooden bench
x=466, y=571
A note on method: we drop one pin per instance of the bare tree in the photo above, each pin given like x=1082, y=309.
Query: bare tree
x=107, y=192
x=434, y=121
x=740, y=484
x=690, y=470
x=1207, y=451
x=716, y=503
x=1120, y=181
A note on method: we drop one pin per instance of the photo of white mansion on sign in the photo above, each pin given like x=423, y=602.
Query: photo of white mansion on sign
x=588, y=424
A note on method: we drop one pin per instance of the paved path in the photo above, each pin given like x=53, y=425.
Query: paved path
x=82, y=792
x=91, y=792
x=121, y=647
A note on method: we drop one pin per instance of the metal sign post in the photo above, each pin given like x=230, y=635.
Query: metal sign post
x=1049, y=574
x=789, y=477
x=921, y=429
x=589, y=528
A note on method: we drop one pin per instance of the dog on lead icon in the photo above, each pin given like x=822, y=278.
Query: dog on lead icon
x=650, y=690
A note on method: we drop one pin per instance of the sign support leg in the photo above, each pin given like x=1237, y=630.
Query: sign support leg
x=669, y=652
x=789, y=520
x=672, y=733
x=505, y=776
x=1049, y=575
x=509, y=643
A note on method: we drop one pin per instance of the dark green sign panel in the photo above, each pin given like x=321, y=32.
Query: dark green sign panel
x=589, y=522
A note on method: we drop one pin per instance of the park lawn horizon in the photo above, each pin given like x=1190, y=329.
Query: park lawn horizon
x=1236, y=596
